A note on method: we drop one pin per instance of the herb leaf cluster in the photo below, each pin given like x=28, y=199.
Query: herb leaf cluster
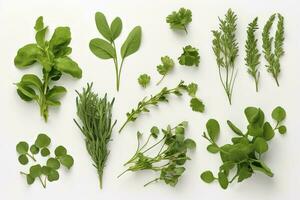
x=252, y=52
x=50, y=170
x=144, y=80
x=190, y=56
x=106, y=49
x=53, y=55
x=165, y=68
x=180, y=19
x=245, y=153
x=273, y=47
x=95, y=114
x=226, y=49
x=172, y=148
x=143, y=106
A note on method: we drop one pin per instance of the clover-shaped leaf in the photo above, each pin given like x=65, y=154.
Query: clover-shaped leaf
x=53, y=175
x=46, y=170
x=35, y=171
x=42, y=141
x=53, y=163
x=67, y=161
x=60, y=151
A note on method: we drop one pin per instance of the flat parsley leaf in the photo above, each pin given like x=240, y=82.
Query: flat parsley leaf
x=144, y=80
x=164, y=68
x=190, y=56
x=180, y=19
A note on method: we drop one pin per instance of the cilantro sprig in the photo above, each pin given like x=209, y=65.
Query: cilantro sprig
x=144, y=80
x=273, y=48
x=49, y=171
x=190, y=56
x=226, y=49
x=180, y=19
x=53, y=56
x=172, y=147
x=252, y=52
x=143, y=106
x=165, y=68
x=106, y=49
x=245, y=154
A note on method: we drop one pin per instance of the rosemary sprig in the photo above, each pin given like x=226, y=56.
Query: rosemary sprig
x=271, y=55
x=95, y=114
x=252, y=52
x=225, y=48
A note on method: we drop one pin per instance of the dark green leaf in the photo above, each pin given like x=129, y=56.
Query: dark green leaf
x=32, y=80
x=244, y=173
x=22, y=147
x=60, y=151
x=53, y=163
x=260, y=166
x=26, y=92
x=46, y=170
x=68, y=66
x=45, y=152
x=42, y=140
x=207, y=176
x=53, y=175
x=190, y=56
x=55, y=92
x=23, y=159
x=268, y=131
x=223, y=180
x=154, y=131
x=34, y=149
x=29, y=179
x=234, y=128
x=61, y=38
x=213, y=129
x=35, y=171
x=132, y=43
x=282, y=129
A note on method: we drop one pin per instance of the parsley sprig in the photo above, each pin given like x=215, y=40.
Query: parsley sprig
x=166, y=66
x=172, y=148
x=273, y=49
x=245, y=154
x=143, y=106
x=180, y=19
x=225, y=48
x=252, y=52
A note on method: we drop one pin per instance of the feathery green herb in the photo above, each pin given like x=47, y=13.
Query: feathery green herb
x=172, y=148
x=225, y=48
x=165, y=68
x=53, y=55
x=252, y=52
x=50, y=170
x=180, y=19
x=144, y=80
x=245, y=153
x=273, y=49
x=190, y=56
x=95, y=114
x=196, y=104
x=106, y=49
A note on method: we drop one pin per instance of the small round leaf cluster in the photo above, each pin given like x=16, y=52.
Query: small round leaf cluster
x=50, y=170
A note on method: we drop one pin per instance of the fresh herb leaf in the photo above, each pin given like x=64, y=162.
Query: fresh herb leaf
x=269, y=43
x=169, y=161
x=245, y=152
x=190, y=56
x=95, y=114
x=52, y=55
x=144, y=80
x=225, y=48
x=107, y=49
x=180, y=19
x=165, y=68
x=252, y=52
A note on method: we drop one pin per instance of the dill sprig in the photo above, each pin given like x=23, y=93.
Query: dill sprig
x=271, y=55
x=252, y=52
x=95, y=114
x=225, y=48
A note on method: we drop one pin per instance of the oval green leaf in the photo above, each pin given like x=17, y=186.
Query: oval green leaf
x=116, y=28
x=278, y=114
x=102, y=49
x=132, y=43
x=22, y=147
x=102, y=26
x=213, y=129
x=68, y=66
x=207, y=176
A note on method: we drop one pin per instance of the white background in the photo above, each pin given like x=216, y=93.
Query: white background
x=21, y=121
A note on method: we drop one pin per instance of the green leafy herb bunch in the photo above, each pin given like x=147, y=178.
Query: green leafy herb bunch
x=53, y=56
x=180, y=19
x=245, y=153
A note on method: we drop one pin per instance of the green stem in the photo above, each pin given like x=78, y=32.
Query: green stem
x=116, y=66
x=31, y=156
x=184, y=27
x=151, y=182
x=161, y=80
x=119, y=75
x=44, y=185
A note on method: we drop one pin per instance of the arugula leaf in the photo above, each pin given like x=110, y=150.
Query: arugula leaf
x=190, y=56
x=165, y=68
x=144, y=80
x=244, y=154
x=180, y=19
x=53, y=56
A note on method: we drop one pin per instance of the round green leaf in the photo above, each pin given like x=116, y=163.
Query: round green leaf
x=190, y=144
x=29, y=179
x=154, y=131
x=60, y=151
x=22, y=147
x=260, y=145
x=53, y=163
x=45, y=152
x=212, y=148
x=251, y=114
x=34, y=149
x=53, y=175
x=42, y=141
x=278, y=114
x=179, y=130
x=46, y=170
x=207, y=176
x=282, y=129
x=23, y=159
x=223, y=180
x=268, y=131
x=213, y=129
x=67, y=161
x=35, y=171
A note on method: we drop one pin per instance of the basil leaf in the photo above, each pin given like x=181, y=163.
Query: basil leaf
x=39, y=24
x=27, y=55
x=68, y=66
x=61, y=38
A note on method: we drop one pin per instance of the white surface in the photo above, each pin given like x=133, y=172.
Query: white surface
x=21, y=120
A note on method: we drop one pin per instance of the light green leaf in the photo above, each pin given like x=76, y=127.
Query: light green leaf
x=102, y=26
x=68, y=66
x=32, y=80
x=132, y=43
x=60, y=151
x=35, y=171
x=23, y=159
x=278, y=114
x=154, y=131
x=46, y=170
x=39, y=24
x=55, y=92
x=116, y=28
x=61, y=38
x=262, y=167
x=34, y=149
x=29, y=179
x=251, y=114
x=102, y=49
x=22, y=147
x=213, y=129
x=261, y=146
x=190, y=144
x=223, y=180
x=45, y=152
x=27, y=55
x=197, y=105
x=42, y=140
x=67, y=161
x=234, y=128
x=212, y=148
x=53, y=163
x=268, y=131
x=282, y=129
x=40, y=37
x=207, y=176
